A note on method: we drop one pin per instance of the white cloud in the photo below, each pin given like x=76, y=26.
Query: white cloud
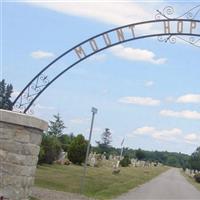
x=189, y=98
x=192, y=138
x=171, y=134
x=117, y=13
x=144, y=101
x=187, y=114
x=144, y=130
x=120, y=14
x=149, y=83
x=79, y=120
x=136, y=54
x=41, y=54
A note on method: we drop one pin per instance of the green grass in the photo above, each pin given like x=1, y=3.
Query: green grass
x=191, y=180
x=100, y=182
x=33, y=198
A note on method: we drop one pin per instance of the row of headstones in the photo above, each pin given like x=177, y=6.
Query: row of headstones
x=141, y=163
x=191, y=172
x=96, y=160
x=100, y=159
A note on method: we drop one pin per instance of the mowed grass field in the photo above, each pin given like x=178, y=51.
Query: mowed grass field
x=100, y=182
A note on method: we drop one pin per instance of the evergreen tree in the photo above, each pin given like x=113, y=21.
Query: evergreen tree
x=57, y=126
x=50, y=149
x=195, y=159
x=106, y=137
x=77, y=149
x=104, y=145
x=53, y=141
x=5, y=95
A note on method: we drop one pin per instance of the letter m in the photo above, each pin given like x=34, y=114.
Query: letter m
x=80, y=52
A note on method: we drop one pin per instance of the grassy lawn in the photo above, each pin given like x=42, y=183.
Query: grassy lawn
x=33, y=198
x=100, y=182
x=192, y=181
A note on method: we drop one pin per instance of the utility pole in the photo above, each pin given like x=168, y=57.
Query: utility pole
x=94, y=111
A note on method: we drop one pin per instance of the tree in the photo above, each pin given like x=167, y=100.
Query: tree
x=104, y=145
x=77, y=149
x=53, y=141
x=50, y=149
x=57, y=126
x=195, y=159
x=140, y=155
x=5, y=95
x=106, y=137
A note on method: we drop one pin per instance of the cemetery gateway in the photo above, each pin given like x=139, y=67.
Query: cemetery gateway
x=21, y=134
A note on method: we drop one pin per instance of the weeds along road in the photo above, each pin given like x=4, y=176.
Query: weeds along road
x=169, y=185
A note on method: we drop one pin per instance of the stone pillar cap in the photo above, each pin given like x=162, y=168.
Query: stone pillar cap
x=22, y=119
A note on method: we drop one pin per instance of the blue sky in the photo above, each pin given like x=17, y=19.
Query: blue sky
x=146, y=91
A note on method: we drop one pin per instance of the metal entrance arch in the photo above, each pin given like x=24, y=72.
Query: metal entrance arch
x=166, y=28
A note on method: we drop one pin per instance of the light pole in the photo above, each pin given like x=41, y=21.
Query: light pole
x=94, y=111
x=122, y=148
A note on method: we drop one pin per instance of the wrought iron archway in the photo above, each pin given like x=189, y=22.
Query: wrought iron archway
x=165, y=27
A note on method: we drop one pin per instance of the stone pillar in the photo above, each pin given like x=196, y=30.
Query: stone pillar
x=20, y=137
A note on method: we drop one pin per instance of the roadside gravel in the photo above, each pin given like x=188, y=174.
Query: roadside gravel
x=45, y=194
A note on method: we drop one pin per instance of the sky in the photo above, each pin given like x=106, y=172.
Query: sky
x=145, y=91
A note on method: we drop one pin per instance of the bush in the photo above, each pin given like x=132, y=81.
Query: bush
x=65, y=141
x=77, y=150
x=197, y=177
x=49, y=150
x=125, y=162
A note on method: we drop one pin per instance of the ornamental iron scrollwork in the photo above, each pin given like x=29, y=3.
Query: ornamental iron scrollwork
x=168, y=13
x=27, y=97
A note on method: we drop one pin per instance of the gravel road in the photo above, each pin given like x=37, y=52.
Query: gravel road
x=169, y=185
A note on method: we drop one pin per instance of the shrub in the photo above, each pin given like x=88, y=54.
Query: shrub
x=77, y=150
x=197, y=177
x=65, y=141
x=125, y=162
x=50, y=149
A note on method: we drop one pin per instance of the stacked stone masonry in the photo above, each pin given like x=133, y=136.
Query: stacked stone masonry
x=20, y=137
